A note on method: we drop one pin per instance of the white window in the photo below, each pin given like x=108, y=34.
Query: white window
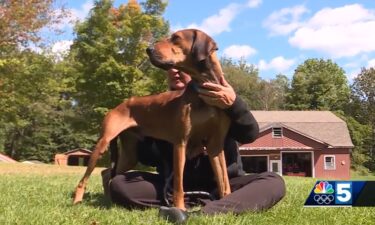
x=329, y=162
x=277, y=132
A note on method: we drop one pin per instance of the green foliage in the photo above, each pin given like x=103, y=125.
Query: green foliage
x=362, y=108
x=362, y=141
x=33, y=113
x=363, y=96
x=259, y=94
x=318, y=85
x=26, y=97
x=272, y=93
x=244, y=79
x=51, y=106
x=109, y=55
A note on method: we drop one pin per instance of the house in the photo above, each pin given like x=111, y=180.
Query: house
x=75, y=157
x=299, y=143
x=7, y=159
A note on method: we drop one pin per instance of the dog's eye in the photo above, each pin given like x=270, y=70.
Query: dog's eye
x=175, y=38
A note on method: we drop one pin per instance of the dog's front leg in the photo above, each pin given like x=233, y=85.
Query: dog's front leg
x=220, y=171
x=179, y=157
x=219, y=166
x=223, y=166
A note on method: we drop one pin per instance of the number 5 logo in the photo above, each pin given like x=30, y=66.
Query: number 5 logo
x=343, y=193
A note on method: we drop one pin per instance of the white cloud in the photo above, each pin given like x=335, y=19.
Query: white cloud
x=61, y=47
x=239, y=51
x=286, y=20
x=220, y=22
x=339, y=32
x=346, y=15
x=254, y=3
x=279, y=64
x=371, y=63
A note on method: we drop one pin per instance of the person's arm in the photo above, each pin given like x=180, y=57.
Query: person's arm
x=244, y=127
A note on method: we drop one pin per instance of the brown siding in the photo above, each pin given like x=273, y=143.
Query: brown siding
x=342, y=163
x=61, y=159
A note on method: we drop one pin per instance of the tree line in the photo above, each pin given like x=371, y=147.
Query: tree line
x=51, y=104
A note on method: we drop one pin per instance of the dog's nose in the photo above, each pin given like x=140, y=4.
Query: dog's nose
x=150, y=50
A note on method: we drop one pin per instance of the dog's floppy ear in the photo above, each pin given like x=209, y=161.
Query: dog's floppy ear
x=203, y=45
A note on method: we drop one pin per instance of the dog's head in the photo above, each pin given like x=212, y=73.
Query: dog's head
x=191, y=51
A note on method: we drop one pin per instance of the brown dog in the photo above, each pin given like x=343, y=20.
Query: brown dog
x=179, y=117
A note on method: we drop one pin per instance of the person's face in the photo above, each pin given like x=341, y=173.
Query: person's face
x=177, y=79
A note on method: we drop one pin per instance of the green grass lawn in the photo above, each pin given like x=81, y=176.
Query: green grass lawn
x=42, y=194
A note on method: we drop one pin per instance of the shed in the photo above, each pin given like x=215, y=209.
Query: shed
x=75, y=157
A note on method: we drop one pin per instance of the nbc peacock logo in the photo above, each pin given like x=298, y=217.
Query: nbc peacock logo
x=324, y=193
x=324, y=187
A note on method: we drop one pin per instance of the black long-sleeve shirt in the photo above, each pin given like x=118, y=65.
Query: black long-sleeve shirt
x=198, y=172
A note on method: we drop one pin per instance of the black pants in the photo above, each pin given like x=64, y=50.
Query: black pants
x=249, y=193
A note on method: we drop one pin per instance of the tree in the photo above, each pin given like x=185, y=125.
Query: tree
x=34, y=112
x=363, y=92
x=109, y=55
x=362, y=105
x=244, y=80
x=282, y=85
x=258, y=94
x=362, y=141
x=272, y=93
x=318, y=84
x=20, y=21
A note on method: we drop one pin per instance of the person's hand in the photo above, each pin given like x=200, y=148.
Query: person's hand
x=221, y=96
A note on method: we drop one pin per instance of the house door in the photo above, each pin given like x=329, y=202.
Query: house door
x=297, y=164
x=275, y=166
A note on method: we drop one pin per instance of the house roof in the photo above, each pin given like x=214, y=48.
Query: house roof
x=5, y=158
x=77, y=151
x=323, y=126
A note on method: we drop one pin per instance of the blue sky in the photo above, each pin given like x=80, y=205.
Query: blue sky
x=276, y=36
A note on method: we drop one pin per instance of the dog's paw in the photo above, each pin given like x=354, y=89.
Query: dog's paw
x=78, y=195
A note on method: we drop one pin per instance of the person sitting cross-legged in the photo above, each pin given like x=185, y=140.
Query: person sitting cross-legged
x=255, y=192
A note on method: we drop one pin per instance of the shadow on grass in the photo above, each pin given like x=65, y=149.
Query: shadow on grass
x=98, y=200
